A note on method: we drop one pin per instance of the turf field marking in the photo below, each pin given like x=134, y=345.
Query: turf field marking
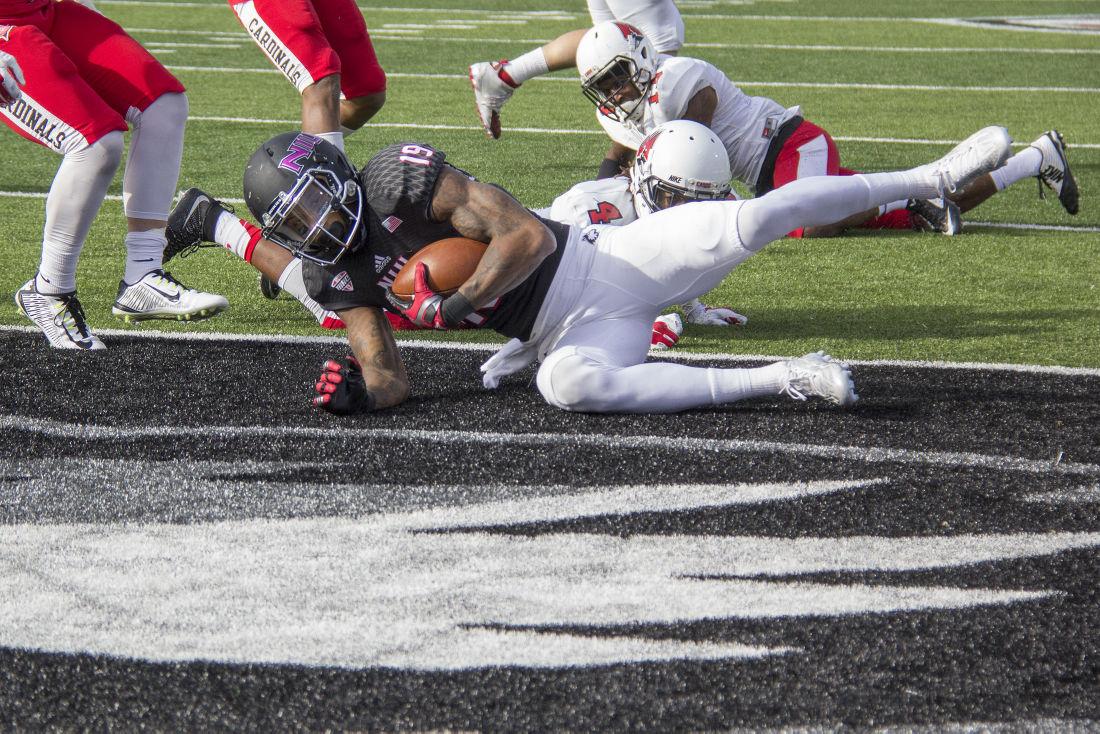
x=969, y=223
x=400, y=36
x=796, y=85
x=865, y=454
x=487, y=347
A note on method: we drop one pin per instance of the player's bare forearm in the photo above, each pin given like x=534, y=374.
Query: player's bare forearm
x=701, y=107
x=372, y=342
x=518, y=241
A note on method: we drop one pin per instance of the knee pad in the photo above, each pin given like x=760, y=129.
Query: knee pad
x=570, y=380
x=102, y=156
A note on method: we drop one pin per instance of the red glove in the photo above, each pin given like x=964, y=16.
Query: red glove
x=425, y=308
x=340, y=388
x=666, y=331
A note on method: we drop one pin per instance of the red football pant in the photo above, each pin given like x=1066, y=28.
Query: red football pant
x=84, y=75
x=810, y=151
x=308, y=41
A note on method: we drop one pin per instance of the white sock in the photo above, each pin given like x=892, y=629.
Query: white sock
x=530, y=64
x=291, y=281
x=729, y=385
x=1024, y=164
x=144, y=253
x=231, y=234
x=71, y=206
x=336, y=138
x=893, y=206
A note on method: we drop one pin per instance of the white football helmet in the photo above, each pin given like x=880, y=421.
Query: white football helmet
x=680, y=161
x=617, y=64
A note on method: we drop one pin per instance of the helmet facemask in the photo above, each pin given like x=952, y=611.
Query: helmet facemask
x=318, y=219
x=619, y=88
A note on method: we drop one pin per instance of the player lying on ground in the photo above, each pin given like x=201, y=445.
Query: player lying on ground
x=688, y=163
x=635, y=89
x=582, y=300
x=72, y=81
x=495, y=81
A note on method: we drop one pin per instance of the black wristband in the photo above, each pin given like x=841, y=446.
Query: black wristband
x=455, y=308
x=609, y=168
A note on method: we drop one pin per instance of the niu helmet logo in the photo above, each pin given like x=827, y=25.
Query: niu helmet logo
x=299, y=148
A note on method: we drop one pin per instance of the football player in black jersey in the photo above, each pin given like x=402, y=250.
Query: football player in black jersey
x=581, y=300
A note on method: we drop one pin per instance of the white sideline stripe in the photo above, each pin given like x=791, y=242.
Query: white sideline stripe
x=231, y=200
x=871, y=454
x=399, y=36
x=558, y=131
x=742, y=83
x=968, y=223
x=414, y=343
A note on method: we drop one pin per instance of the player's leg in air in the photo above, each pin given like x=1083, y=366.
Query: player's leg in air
x=595, y=364
x=324, y=50
x=80, y=110
x=1045, y=159
x=494, y=82
x=810, y=151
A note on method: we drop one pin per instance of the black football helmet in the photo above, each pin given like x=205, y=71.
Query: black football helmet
x=306, y=196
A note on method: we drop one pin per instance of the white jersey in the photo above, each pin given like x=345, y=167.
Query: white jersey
x=659, y=20
x=605, y=201
x=744, y=124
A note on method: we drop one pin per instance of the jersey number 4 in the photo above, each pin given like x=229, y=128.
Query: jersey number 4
x=604, y=213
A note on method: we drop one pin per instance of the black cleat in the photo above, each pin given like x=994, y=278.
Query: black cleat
x=269, y=288
x=191, y=223
x=1054, y=170
x=936, y=215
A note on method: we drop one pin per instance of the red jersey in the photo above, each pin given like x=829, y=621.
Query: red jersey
x=10, y=10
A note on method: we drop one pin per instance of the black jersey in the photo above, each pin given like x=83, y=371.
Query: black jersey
x=398, y=185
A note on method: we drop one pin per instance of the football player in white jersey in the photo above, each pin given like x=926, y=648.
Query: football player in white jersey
x=635, y=89
x=686, y=162
x=494, y=81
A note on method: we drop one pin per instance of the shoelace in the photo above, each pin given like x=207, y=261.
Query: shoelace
x=168, y=278
x=71, y=311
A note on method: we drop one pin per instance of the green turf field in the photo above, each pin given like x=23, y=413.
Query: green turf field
x=893, y=89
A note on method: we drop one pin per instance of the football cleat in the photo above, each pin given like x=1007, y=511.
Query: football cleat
x=936, y=215
x=816, y=374
x=492, y=88
x=979, y=154
x=60, y=318
x=1054, y=170
x=160, y=296
x=191, y=223
x=269, y=288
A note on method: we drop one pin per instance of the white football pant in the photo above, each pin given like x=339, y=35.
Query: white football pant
x=593, y=331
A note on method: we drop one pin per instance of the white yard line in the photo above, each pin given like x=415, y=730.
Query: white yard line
x=868, y=454
x=969, y=223
x=413, y=343
x=740, y=83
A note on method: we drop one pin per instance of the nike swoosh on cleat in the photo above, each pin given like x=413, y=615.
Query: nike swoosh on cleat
x=173, y=297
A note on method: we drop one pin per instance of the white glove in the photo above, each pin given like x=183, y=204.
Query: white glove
x=666, y=332
x=697, y=313
x=512, y=357
x=11, y=76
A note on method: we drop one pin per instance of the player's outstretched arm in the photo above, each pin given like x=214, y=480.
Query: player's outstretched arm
x=518, y=241
x=374, y=378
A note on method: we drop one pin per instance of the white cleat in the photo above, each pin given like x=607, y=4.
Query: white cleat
x=60, y=317
x=816, y=374
x=160, y=296
x=979, y=154
x=1054, y=170
x=492, y=88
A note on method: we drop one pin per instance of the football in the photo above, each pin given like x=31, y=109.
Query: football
x=450, y=263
